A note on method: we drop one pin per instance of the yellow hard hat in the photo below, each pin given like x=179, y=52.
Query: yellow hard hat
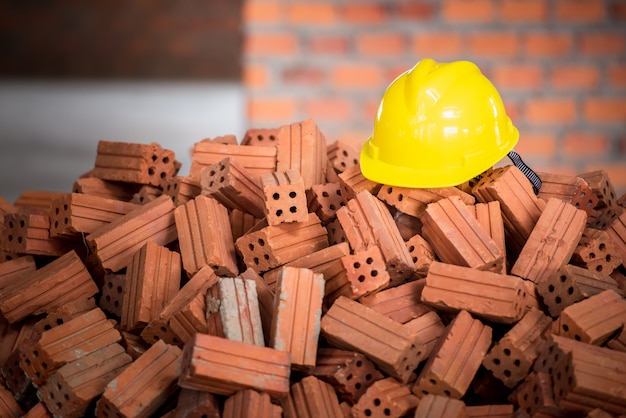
x=437, y=125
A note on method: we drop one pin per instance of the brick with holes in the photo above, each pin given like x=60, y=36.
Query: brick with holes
x=239, y=310
x=571, y=284
x=457, y=238
x=297, y=313
x=62, y=280
x=311, y=398
x=271, y=246
x=67, y=342
x=490, y=411
x=595, y=319
x=414, y=201
x=570, y=189
x=187, y=308
x=260, y=137
x=421, y=253
x=70, y=391
x=255, y=159
x=366, y=223
x=366, y=272
x=352, y=182
x=112, y=295
x=284, y=197
x=455, y=359
x=12, y=270
x=301, y=146
x=240, y=366
x=182, y=189
x=205, y=237
x=433, y=406
x=134, y=345
x=325, y=200
x=489, y=217
x=249, y=402
x=385, y=398
x=28, y=232
x=63, y=314
x=342, y=155
x=552, y=241
x=349, y=372
x=8, y=405
x=134, y=163
x=115, y=243
x=145, y=385
x=392, y=347
x=152, y=279
x=408, y=225
x=228, y=182
x=35, y=201
x=428, y=328
x=596, y=251
x=606, y=208
x=617, y=233
x=213, y=313
x=241, y=222
x=401, y=303
x=510, y=359
x=491, y=296
x=94, y=186
x=195, y=403
x=535, y=396
x=519, y=205
x=145, y=194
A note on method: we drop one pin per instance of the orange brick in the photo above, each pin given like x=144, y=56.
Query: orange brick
x=148, y=193
x=249, y=402
x=617, y=232
x=456, y=237
x=61, y=281
x=401, y=303
x=326, y=44
x=536, y=396
x=256, y=159
x=550, y=111
x=489, y=217
x=351, y=326
x=8, y=405
x=362, y=220
x=182, y=189
x=617, y=75
x=61, y=315
x=353, y=76
x=284, y=197
x=28, y=232
x=580, y=10
x=597, y=252
x=115, y=243
x=366, y=13
x=144, y=385
x=570, y=189
x=311, y=397
x=301, y=146
x=575, y=77
x=35, y=200
x=500, y=44
x=377, y=44
x=265, y=300
x=456, y=358
x=537, y=143
x=386, y=397
x=112, y=293
x=311, y=13
x=421, y=252
x=352, y=181
x=328, y=108
x=432, y=406
x=12, y=270
x=198, y=403
x=491, y=296
x=436, y=44
x=429, y=328
x=271, y=109
x=463, y=11
x=297, y=313
x=260, y=136
x=414, y=201
x=366, y=272
x=270, y=44
x=239, y=310
x=523, y=10
x=262, y=12
x=518, y=77
x=94, y=186
x=604, y=110
x=325, y=200
x=152, y=280
x=241, y=366
x=599, y=43
x=550, y=44
x=349, y=372
x=342, y=155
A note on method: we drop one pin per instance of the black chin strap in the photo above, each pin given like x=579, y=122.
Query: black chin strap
x=528, y=172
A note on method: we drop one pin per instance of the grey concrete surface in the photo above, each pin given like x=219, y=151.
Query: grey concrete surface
x=49, y=130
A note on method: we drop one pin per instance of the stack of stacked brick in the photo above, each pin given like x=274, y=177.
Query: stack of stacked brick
x=276, y=280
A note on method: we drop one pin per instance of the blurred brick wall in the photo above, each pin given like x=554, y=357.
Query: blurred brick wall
x=104, y=39
x=559, y=65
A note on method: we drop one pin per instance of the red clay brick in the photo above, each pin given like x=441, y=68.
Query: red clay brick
x=617, y=232
x=112, y=293
x=63, y=314
x=489, y=217
x=134, y=345
x=241, y=222
x=311, y=397
x=536, y=396
x=161, y=326
x=8, y=405
x=144, y=385
x=12, y=270
x=265, y=300
x=94, y=186
x=512, y=357
x=401, y=303
x=386, y=397
x=456, y=358
x=492, y=296
x=233, y=186
x=182, y=189
x=260, y=137
x=36, y=200
x=342, y=155
x=271, y=109
x=275, y=245
x=205, y=236
x=256, y=159
x=275, y=43
x=261, y=12
x=380, y=44
x=223, y=367
x=323, y=44
x=604, y=109
x=596, y=251
x=366, y=272
x=421, y=252
x=415, y=201
x=147, y=193
x=598, y=43
x=523, y=10
x=575, y=77
x=456, y=237
x=115, y=243
x=71, y=389
x=28, y=232
x=134, y=163
x=551, y=242
x=518, y=77
x=284, y=197
x=580, y=11
x=467, y=11
x=547, y=44
x=209, y=305
x=61, y=281
x=595, y=319
x=437, y=44
x=496, y=44
x=302, y=146
x=365, y=13
x=428, y=328
x=392, y=347
x=433, y=406
x=196, y=403
x=362, y=219
x=239, y=310
x=349, y=372
x=550, y=111
x=249, y=402
x=570, y=189
x=297, y=313
x=311, y=13
x=325, y=200
x=355, y=76
x=353, y=182
x=152, y=279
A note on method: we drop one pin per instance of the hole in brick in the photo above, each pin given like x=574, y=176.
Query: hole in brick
x=446, y=392
x=65, y=207
x=19, y=240
x=507, y=352
x=51, y=395
x=293, y=209
x=414, y=259
x=507, y=373
x=47, y=327
x=59, y=321
x=563, y=278
x=377, y=402
x=557, y=299
x=599, y=267
x=59, y=405
x=292, y=194
x=163, y=174
x=266, y=256
x=496, y=361
x=551, y=288
x=517, y=363
x=345, y=153
x=37, y=375
x=155, y=338
x=44, y=365
x=279, y=212
x=166, y=160
x=119, y=289
x=400, y=197
x=361, y=278
x=66, y=396
x=116, y=303
x=338, y=192
x=256, y=260
x=261, y=242
x=35, y=353
x=212, y=173
x=163, y=329
x=154, y=157
x=432, y=381
x=332, y=207
x=369, y=260
x=565, y=328
x=151, y=171
x=57, y=210
x=367, y=413
x=389, y=190
x=592, y=255
x=525, y=397
x=10, y=237
x=342, y=164
x=570, y=290
x=577, y=337
x=356, y=265
x=368, y=376
x=251, y=247
x=325, y=194
x=349, y=377
x=359, y=363
x=387, y=412
x=56, y=224
x=355, y=161
x=357, y=385
x=276, y=196
x=272, y=138
x=374, y=273
x=107, y=298
x=221, y=180
x=424, y=392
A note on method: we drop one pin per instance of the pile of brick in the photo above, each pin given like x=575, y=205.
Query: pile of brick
x=275, y=280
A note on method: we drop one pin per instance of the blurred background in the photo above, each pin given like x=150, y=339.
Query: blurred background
x=73, y=73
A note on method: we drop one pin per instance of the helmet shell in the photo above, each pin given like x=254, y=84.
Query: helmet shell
x=437, y=125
